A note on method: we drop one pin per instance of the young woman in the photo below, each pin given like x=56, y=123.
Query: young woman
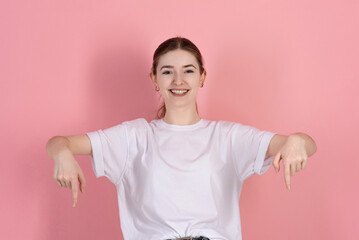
x=179, y=176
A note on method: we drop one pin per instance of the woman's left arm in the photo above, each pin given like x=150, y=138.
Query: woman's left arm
x=294, y=150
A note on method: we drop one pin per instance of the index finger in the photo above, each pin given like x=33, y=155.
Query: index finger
x=75, y=190
x=287, y=175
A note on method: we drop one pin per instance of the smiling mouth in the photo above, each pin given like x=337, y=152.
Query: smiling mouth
x=179, y=92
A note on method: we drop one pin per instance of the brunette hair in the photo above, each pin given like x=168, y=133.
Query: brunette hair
x=170, y=45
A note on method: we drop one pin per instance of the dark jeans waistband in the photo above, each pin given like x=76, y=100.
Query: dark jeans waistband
x=191, y=238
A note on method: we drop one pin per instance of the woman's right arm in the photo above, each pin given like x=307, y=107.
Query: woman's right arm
x=67, y=172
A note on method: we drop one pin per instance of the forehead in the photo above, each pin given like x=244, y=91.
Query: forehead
x=177, y=57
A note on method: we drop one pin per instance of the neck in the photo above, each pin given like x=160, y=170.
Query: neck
x=181, y=116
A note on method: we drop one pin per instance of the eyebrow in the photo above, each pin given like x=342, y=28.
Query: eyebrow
x=170, y=66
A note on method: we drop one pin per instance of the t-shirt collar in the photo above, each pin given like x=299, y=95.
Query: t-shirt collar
x=181, y=127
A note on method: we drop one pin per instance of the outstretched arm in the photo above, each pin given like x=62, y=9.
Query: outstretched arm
x=294, y=150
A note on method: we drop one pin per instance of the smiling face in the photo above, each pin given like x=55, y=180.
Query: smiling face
x=178, y=78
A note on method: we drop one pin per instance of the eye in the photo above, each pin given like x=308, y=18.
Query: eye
x=189, y=71
x=166, y=72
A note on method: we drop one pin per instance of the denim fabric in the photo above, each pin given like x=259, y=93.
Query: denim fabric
x=193, y=238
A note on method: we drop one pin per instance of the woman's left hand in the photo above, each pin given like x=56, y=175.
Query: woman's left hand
x=294, y=156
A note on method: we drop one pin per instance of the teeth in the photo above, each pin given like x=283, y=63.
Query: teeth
x=179, y=91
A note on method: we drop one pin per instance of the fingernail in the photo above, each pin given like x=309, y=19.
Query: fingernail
x=73, y=205
x=289, y=187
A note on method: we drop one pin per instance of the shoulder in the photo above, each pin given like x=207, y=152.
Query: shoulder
x=238, y=129
x=138, y=125
x=229, y=125
x=138, y=122
x=136, y=128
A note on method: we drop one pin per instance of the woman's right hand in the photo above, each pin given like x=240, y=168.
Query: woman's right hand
x=67, y=173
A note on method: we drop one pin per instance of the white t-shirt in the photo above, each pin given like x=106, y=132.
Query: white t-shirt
x=179, y=180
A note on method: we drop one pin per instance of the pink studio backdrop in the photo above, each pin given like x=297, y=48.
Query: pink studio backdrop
x=70, y=67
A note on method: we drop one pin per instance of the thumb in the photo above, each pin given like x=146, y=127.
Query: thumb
x=276, y=162
x=82, y=181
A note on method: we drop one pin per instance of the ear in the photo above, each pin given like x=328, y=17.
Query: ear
x=203, y=76
x=153, y=78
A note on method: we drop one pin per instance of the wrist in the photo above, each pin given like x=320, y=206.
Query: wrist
x=57, y=147
x=297, y=137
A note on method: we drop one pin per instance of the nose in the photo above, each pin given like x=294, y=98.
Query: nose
x=178, y=79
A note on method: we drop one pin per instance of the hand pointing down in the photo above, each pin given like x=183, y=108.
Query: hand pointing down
x=67, y=173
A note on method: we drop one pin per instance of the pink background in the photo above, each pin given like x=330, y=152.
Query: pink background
x=70, y=67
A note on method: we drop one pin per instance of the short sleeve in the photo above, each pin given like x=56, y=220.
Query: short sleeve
x=109, y=152
x=249, y=147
